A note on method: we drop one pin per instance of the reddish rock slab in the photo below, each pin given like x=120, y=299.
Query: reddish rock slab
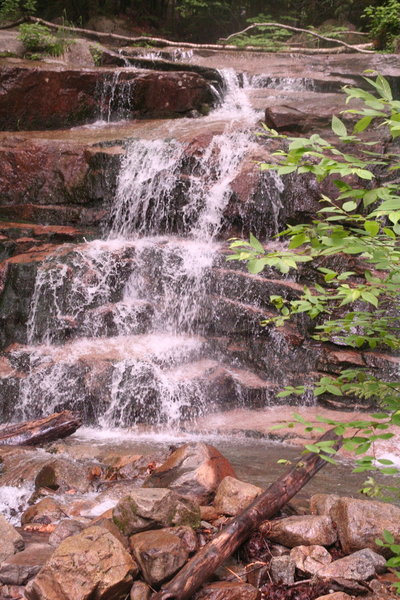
x=44, y=98
x=193, y=470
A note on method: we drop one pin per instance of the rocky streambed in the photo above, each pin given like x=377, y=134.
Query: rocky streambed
x=99, y=522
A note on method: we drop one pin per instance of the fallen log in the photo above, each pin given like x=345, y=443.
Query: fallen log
x=48, y=429
x=212, y=555
x=105, y=37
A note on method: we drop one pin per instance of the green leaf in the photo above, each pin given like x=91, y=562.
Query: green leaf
x=349, y=206
x=372, y=227
x=388, y=537
x=254, y=243
x=338, y=127
x=362, y=124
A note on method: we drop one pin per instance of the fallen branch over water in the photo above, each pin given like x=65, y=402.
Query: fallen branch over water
x=30, y=433
x=210, y=557
x=113, y=37
x=297, y=30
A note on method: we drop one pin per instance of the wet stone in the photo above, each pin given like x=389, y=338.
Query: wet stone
x=154, y=508
x=234, y=495
x=301, y=530
x=310, y=559
x=140, y=591
x=45, y=511
x=360, y=566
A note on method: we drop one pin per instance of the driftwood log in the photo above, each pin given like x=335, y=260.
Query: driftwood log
x=30, y=433
x=212, y=555
x=115, y=38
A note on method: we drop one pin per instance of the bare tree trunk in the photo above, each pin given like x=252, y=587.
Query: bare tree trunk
x=210, y=557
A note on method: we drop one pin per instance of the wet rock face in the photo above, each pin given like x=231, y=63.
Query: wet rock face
x=194, y=471
x=44, y=99
x=92, y=564
x=359, y=566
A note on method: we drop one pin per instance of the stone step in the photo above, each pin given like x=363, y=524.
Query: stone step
x=21, y=238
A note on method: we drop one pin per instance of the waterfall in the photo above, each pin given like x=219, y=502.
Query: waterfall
x=119, y=328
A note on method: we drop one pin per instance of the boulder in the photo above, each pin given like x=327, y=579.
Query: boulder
x=360, y=522
x=21, y=567
x=234, y=495
x=360, y=566
x=300, y=530
x=45, y=511
x=282, y=570
x=62, y=475
x=91, y=564
x=65, y=529
x=159, y=553
x=140, y=591
x=11, y=540
x=193, y=470
x=310, y=559
x=227, y=590
x=154, y=508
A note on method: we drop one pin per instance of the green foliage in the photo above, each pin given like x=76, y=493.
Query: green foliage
x=356, y=308
x=38, y=38
x=13, y=9
x=384, y=23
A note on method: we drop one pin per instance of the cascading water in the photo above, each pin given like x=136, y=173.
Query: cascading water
x=119, y=328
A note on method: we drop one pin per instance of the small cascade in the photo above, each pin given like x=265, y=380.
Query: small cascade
x=114, y=98
x=292, y=84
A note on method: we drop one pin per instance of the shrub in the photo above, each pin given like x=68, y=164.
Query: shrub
x=38, y=38
x=384, y=23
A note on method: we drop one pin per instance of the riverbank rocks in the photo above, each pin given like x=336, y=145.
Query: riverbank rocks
x=140, y=591
x=194, y=471
x=154, y=508
x=11, y=540
x=361, y=565
x=359, y=522
x=160, y=554
x=92, y=564
x=307, y=530
x=21, y=567
x=234, y=495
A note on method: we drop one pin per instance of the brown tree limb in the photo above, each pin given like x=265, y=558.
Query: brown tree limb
x=30, y=433
x=114, y=38
x=298, y=30
x=13, y=24
x=211, y=556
